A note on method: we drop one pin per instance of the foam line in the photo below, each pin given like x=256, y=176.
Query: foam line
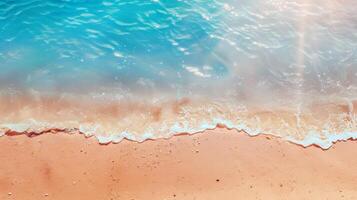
x=312, y=138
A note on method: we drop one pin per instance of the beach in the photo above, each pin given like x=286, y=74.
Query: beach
x=215, y=164
x=186, y=100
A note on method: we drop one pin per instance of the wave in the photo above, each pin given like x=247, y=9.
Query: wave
x=315, y=123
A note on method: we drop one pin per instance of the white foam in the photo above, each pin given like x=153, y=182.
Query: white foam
x=324, y=143
x=2, y=132
x=17, y=127
x=323, y=139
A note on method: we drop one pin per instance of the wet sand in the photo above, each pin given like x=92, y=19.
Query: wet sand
x=217, y=164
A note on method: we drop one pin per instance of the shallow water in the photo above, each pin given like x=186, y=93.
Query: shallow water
x=148, y=69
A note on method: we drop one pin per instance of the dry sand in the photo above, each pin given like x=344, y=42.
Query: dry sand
x=218, y=164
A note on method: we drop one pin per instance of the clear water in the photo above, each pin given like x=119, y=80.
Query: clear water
x=150, y=69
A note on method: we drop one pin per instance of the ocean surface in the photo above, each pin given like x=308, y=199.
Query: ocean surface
x=141, y=69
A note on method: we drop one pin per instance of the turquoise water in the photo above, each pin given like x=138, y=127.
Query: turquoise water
x=63, y=45
x=233, y=54
x=44, y=43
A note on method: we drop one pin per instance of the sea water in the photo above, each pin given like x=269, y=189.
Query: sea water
x=141, y=69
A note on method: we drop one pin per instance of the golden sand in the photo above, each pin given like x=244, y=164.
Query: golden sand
x=218, y=164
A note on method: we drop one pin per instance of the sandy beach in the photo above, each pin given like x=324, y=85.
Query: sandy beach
x=178, y=100
x=217, y=164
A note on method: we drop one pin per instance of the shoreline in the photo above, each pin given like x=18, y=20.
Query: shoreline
x=320, y=123
x=309, y=142
x=215, y=164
